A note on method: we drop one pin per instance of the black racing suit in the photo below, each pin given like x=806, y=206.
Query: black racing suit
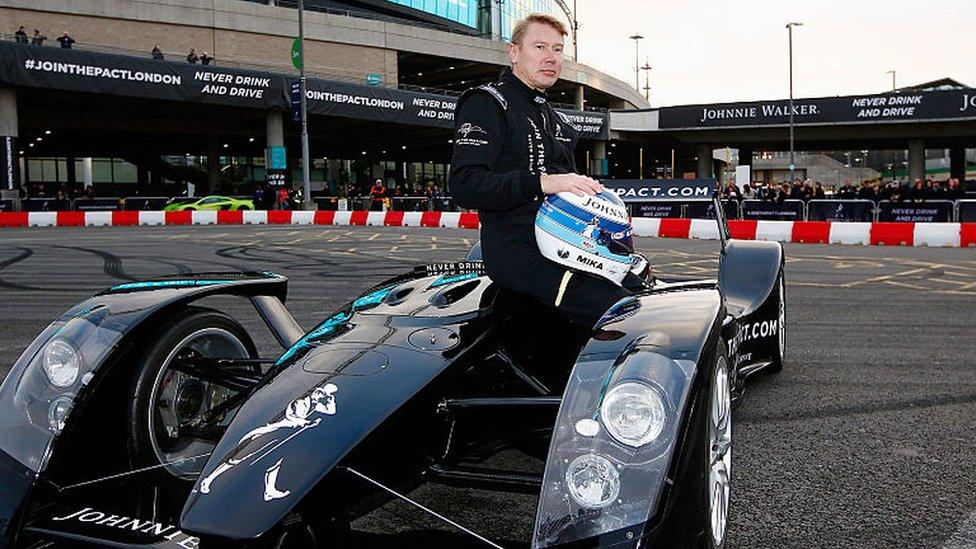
x=507, y=136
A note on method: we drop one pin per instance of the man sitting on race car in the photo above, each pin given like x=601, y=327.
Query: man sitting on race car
x=512, y=149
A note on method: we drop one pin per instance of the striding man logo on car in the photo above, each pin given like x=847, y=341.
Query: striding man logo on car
x=301, y=414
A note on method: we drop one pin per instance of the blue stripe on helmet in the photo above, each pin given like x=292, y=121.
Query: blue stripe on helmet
x=575, y=240
x=585, y=216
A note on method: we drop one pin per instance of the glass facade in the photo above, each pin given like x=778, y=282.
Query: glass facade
x=477, y=14
x=464, y=12
x=513, y=11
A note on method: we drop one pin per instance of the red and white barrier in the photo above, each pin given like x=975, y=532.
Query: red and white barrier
x=820, y=232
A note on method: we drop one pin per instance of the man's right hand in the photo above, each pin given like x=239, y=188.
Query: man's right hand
x=580, y=185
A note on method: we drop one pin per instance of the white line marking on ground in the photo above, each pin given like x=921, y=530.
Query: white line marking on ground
x=964, y=536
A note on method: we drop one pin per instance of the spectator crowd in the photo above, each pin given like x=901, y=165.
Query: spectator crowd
x=66, y=41
x=875, y=190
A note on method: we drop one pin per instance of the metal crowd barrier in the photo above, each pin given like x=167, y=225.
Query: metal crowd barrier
x=397, y=203
x=966, y=211
x=840, y=210
x=410, y=204
x=443, y=204
x=141, y=203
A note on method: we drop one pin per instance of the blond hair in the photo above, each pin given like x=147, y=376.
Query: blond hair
x=543, y=19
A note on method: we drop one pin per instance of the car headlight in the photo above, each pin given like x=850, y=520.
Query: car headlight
x=61, y=363
x=57, y=413
x=593, y=481
x=633, y=413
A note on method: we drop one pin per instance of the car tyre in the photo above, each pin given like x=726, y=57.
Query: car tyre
x=699, y=517
x=779, y=353
x=164, y=399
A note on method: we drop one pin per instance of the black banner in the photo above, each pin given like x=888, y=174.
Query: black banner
x=6, y=205
x=632, y=190
x=840, y=210
x=145, y=203
x=967, y=211
x=103, y=73
x=275, y=178
x=96, y=204
x=706, y=210
x=935, y=211
x=44, y=205
x=933, y=105
x=656, y=209
x=9, y=166
x=788, y=210
x=415, y=108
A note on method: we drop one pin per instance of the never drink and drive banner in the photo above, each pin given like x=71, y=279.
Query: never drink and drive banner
x=101, y=73
x=129, y=76
x=890, y=107
x=415, y=108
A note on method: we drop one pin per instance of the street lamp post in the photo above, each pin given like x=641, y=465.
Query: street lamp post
x=636, y=38
x=647, y=80
x=893, y=86
x=306, y=186
x=789, y=27
x=575, y=32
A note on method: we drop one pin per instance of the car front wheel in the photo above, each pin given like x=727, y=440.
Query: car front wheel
x=180, y=409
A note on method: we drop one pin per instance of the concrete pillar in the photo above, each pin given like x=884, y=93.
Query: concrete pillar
x=704, y=170
x=579, y=97
x=86, y=171
x=957, y=163
x=213, y=166
x=8, y=113
x=916, y=160
x=275, y=129
x=72, y=175
x=599, y=167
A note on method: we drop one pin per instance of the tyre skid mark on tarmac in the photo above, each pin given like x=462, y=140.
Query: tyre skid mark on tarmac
x=860, y=409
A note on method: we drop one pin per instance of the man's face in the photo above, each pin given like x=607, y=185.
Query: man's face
x=538, y=60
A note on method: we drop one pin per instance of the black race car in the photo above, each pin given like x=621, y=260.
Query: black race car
x=140, y=418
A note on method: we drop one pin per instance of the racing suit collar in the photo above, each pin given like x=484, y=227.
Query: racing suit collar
x=529, y=92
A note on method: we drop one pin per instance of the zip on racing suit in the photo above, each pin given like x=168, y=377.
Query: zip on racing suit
x=508, y=135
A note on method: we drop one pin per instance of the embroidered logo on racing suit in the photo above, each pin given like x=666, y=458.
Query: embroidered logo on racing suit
x=537, y=149
x=496, y=94
x=559, y=134
x=466, y=129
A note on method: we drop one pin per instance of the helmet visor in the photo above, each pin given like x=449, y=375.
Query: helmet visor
x=621, y=243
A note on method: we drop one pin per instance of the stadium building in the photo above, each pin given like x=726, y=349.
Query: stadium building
x=383, y=80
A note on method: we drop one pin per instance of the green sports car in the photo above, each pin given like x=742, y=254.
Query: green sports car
x=210, y=203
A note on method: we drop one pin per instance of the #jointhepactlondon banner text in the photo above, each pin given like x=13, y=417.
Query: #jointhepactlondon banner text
x=414, y=108
x=101, y=73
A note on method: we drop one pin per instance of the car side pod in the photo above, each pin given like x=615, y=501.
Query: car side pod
x=38, y=403
x=747, y=274
x=607, y=479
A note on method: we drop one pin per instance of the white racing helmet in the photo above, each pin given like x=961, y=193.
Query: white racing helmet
x=586, y=233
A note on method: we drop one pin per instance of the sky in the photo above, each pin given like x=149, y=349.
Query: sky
x=709, y=51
